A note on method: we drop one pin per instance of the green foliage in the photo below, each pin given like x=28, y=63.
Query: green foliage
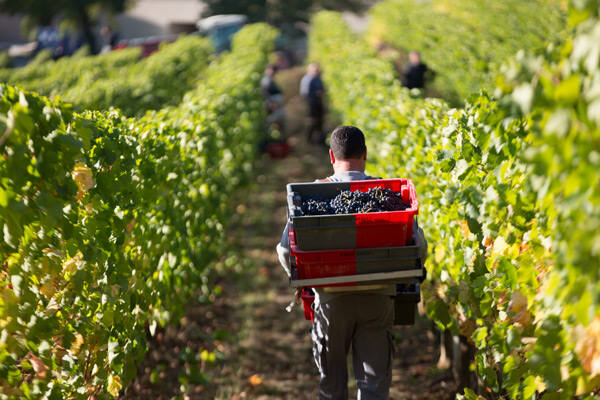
x=466, y=41
x=109, y=224
x=35, y=69
x=5, y=60
x=50, y=78
x=153, y=83
x=509, y=201
x=119, y=79
x=42, y=57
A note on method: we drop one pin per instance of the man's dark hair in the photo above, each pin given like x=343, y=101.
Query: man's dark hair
x=347, y=142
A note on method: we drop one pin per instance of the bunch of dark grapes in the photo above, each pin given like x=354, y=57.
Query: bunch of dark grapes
x=347, y=202
x=316, y=206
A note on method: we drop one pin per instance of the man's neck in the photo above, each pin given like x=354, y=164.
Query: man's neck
x=346, y=166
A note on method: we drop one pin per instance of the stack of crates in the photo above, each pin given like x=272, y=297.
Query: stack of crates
x=355, y=249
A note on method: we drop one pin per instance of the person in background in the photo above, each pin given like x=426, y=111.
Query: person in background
x=273, y=98
x=312, y=89
x=110, y=39
x=50, y=37
x=414, y=72
x=267, y=83
x=360, y=317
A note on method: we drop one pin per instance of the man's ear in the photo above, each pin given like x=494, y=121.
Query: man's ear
x=365, y=156
x=331, y=156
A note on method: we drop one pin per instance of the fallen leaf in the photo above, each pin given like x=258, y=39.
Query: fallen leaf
x=255, y=380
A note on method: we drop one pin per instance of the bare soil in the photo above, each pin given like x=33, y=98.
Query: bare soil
x=261, y=351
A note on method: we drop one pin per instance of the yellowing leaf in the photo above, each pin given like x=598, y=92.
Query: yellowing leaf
x=72, y=264
x=130, y=225
x=48, y=288
x=522, y=318
x=464, y=228
x=499, y=247
x=585, y=386
x=440, y=253
x=77, y=343
x=440, y=290
x=518, y=302
x=488, y=241
x=467, y=328
x=588, y=348
x=83, y=177
x=540, y=384
x=38, y=366
x=114, y=385
x=513, y=251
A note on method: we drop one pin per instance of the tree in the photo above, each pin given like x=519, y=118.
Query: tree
x=280, y=12
x=78, y=13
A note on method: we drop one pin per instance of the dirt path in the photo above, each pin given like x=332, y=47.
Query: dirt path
x=261, y=351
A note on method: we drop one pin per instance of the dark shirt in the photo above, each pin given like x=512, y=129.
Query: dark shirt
x=269, y=87
x=311, y=88
x=414, y=76
x=113, y=39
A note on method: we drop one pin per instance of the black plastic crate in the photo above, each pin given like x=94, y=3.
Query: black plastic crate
x=405, y=303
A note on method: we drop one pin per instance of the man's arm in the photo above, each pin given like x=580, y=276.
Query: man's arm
x=283, y=251
x=420, y=241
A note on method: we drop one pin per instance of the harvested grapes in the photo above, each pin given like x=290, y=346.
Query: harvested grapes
x=348, y=202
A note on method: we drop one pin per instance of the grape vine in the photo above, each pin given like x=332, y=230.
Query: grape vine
x=465, y=42
x=508, y=201
x=110, y=224
x=119, y=79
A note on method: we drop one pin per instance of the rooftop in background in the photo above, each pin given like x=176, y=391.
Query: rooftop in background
x=159, y=17
x=217, y=21
x=144, y=18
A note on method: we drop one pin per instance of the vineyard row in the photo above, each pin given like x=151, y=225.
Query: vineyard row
x=509, y=200
x=110, y=224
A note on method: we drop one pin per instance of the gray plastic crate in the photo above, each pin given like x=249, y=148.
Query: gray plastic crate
x=320, y=232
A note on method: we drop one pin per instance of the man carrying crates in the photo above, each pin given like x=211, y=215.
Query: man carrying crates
x=359, y=316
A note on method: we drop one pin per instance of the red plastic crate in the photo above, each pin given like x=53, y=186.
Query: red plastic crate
x=333, y=263
x=349, y=231
x=278, y=150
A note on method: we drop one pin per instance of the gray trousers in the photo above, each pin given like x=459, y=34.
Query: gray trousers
x=363, y=321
